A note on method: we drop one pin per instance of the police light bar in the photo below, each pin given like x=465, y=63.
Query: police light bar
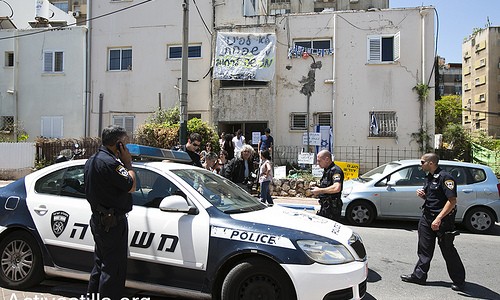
x=140, y=151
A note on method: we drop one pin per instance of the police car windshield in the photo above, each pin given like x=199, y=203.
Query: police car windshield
x=379, y=171
x=221, y=192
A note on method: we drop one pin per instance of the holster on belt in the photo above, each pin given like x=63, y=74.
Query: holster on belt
x=107, y=217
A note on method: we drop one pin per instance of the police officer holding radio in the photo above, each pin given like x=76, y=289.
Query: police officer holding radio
x=109, y=180
x=330, y=188
x=437, y=221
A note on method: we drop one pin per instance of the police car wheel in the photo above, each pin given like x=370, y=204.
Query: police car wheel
x=21, y=261
x=360, y=213
x=257, y=279
x=479, y=220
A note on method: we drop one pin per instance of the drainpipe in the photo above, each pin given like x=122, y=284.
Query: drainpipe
x=423, y=14
x=15, y=85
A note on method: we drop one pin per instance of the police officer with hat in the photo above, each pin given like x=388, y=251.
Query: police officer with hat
x=437, y=221
x=330, y=188
x=109, y=180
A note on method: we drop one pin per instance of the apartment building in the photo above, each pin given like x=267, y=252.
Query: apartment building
x=449, y=81
x=481, y=85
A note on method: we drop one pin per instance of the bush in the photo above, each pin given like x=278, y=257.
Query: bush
x=162, y=130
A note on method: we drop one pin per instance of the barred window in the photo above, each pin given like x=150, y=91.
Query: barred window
x=298, y=121
x=382, y=124
x=324, y=119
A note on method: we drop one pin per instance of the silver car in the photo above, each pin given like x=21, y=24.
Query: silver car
x=389, y=192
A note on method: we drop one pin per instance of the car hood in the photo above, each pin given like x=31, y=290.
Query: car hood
x=351, y=184
x=297, y=220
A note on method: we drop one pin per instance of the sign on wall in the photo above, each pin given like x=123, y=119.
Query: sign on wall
x=245, y=56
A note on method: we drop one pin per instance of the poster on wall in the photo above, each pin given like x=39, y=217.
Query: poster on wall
x=245, y=56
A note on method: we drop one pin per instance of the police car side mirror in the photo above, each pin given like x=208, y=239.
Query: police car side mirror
x=177, y=203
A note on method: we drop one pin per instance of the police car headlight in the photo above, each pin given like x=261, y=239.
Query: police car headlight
x=326, y=253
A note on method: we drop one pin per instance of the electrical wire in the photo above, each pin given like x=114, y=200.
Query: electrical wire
x=11, y=10
x=71, y=24
x=201, y=17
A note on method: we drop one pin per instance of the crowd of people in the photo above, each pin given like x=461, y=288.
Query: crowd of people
x=235, y=159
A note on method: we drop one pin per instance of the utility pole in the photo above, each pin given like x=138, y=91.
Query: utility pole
x=184, y=73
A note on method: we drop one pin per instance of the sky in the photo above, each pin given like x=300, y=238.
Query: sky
x=457, y=19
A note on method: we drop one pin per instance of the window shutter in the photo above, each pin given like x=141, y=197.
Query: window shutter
x=397, y=46
x=58, y=67
x=47, y=62
x=374, y=49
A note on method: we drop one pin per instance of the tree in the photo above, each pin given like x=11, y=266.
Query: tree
x=448, y=111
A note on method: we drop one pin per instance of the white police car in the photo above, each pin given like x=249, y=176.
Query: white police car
x=192, y=233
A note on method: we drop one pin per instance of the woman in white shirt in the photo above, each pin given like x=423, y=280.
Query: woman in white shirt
x=266, y=176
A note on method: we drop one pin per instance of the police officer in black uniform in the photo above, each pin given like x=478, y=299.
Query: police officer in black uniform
x=437, y=221
x=330, y=188
x=109, y=180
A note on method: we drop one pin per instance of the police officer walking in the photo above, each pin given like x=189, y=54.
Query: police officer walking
x=109, y=180
x=437, y=221
x=330, y=188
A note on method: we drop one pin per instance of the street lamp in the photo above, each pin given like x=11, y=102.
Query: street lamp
x=308, y=86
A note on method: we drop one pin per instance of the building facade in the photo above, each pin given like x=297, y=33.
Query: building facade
x=481, y=85
x=370, y=62
x=42, y=86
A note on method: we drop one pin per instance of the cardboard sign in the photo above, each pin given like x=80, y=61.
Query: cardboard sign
x=314, y=138
x=306, y=158
x=351, y=170
x=255, y=137
x=317, y=171
x=279, y=172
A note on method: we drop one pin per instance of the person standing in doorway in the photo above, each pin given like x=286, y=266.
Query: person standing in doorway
x=330, y=188
x=238, y=141
x=437, y=222
x=266, y=142
x=109, y=182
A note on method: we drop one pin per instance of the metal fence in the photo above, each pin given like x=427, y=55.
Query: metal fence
x=368, y=157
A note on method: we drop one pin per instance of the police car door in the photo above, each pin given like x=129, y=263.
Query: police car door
x=164, y=243
x=57, y=204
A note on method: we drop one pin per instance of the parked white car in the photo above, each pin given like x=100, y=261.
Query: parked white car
x=389, y=192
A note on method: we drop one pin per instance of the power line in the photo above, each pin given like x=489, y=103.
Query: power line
x=76, y=23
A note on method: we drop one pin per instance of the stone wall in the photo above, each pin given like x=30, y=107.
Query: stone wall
x=292, y=187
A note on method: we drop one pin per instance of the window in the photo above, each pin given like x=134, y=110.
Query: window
x=176, y=51
x=52, y=126
x=9, y=59
x=120, y=59
x=383, y=124
x=242, y=84
x=410, y=176
x=65, y=182
x=466, y=86
x=281, y=11
x=6, y=123
x=384, y=48
x=152, y=188
x=53, y=61
x=479, y=98
x=280, y=1
x=126, y=122
x=62, y=5
x=480, y=80
x=314, y=44
x=324, y=119
x=298, y=121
